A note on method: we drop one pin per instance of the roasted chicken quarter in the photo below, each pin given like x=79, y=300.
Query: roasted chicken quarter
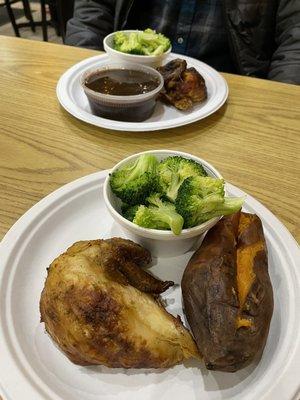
x=101, y=307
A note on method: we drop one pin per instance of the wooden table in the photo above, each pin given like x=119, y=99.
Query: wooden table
x=253, y=139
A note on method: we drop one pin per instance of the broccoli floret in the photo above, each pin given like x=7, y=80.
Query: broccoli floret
x=202, y=198
x=119, y=37
x=173, y=171
x=126, y=43
x=155, y=43
x=158, y=215
x=229, y=206
x=145, y=43
x=134, y=182
x=132, y=45
x=129, y=212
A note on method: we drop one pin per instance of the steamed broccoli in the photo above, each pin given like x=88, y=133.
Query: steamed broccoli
x=147, y=42
x=202, y=198
x=173, y=171
x=134, y=182
x=119, y=39
x=158, y=215
x=129, y=211
x=127, y=43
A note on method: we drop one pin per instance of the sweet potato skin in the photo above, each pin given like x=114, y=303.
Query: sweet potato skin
x=230, y=330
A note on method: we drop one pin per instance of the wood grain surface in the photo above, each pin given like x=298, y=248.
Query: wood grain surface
x=253, y=140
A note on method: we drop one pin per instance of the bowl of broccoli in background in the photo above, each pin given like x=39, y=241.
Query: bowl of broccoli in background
x=143, y=47
x=166, y=200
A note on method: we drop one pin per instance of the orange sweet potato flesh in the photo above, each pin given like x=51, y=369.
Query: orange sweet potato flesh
x=227, y=293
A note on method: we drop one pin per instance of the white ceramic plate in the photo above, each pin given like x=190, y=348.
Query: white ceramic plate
x=31, y=367
x=71, y=96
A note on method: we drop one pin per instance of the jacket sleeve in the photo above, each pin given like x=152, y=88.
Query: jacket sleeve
x=285, y=64
x=91, y=22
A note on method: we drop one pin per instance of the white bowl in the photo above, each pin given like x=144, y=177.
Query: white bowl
x=159, y=242
x=118, y=56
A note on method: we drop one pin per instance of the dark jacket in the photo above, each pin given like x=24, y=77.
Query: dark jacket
x=264, y=35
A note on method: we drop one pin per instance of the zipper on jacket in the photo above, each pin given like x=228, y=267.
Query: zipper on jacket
x=233, y=53
x=129, y=7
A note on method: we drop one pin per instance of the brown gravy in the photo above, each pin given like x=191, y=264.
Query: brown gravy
x=122, y=82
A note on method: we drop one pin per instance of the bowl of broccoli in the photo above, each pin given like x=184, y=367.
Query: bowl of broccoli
x=166, y=200
x=143, y=47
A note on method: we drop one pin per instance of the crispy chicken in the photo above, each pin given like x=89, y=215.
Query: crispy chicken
x=172, y=71
x=182, y=86
x=101, y=307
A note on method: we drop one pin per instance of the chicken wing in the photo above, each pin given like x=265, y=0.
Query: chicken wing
x=182, y=86
x=172, y=71
x=100, y=307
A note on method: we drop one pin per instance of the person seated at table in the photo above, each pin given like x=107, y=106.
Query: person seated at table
x=258, y=38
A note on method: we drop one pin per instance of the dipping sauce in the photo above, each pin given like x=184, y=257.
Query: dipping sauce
x=122, y=82
x=120, y=94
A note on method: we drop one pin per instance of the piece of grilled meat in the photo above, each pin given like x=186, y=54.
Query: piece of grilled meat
x=100, y=307
x=182, y=86
x=172, y=71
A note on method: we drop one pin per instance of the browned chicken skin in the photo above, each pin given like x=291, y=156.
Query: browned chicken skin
x=172, y=71
x=100, y=307
x=182, y=86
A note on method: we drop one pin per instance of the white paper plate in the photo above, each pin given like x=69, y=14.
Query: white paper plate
x=32, y=368
x=71, y=96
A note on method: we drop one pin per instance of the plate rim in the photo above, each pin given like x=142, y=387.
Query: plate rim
x=88, y=181
x=72, y=108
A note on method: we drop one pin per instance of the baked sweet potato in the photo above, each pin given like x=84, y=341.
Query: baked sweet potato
x=227, y=293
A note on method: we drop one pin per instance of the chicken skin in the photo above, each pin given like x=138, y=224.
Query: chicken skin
x=101, y=307
x=182, y=86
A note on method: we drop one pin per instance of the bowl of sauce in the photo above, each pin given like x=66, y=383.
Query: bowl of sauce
x=123, y=93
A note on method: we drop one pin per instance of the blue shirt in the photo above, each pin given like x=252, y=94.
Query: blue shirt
x=195, y=27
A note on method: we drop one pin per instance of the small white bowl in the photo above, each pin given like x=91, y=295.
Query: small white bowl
x=159, y=242
x=123, y=58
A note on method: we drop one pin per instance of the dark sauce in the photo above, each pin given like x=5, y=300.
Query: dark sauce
x=122, y=82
